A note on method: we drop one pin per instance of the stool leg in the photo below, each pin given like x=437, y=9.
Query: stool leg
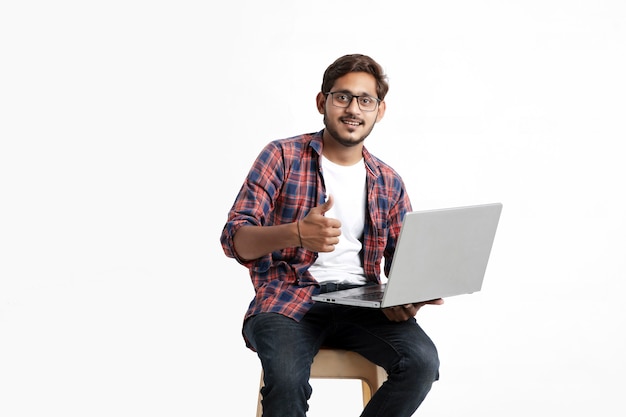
x=259, y=406
x=367, y=392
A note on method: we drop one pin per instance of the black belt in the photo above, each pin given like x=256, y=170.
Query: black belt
x=334, y=286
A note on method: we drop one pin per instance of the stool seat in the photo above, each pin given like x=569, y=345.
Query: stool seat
x=342, y=364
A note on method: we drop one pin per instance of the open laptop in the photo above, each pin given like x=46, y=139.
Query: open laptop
x=440, y=253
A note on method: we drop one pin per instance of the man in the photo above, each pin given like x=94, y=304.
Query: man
x=317, y=213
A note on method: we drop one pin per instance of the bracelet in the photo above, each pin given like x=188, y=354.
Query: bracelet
x=299, y=236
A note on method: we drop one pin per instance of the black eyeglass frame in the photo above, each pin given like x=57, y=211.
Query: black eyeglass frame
x=376, y=99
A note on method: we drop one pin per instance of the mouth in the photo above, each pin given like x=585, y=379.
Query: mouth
x=351, y=122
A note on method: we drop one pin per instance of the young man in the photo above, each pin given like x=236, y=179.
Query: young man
x=316, y=213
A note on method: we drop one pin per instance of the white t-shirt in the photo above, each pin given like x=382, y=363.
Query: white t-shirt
x=347, y=185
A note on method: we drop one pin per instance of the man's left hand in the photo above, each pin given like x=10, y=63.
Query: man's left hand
x=406, y=311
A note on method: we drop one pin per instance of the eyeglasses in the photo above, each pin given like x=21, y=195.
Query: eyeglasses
x=343, y=99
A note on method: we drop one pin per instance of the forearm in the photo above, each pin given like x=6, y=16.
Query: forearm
x=252, y=242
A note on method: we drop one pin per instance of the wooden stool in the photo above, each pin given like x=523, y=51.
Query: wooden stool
x=342, y=364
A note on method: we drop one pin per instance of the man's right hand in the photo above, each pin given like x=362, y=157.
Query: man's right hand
x=318, y=232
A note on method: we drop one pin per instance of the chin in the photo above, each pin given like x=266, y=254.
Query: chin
x=348, y=142
x=346, y=137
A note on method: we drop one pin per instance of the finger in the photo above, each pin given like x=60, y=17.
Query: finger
x=333, y=231
x=328, y=248
x=327, y=205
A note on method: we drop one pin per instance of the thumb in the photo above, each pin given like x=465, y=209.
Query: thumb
x=327, y=205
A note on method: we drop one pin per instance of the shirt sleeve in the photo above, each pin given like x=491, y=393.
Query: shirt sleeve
x=401, y=205
x=255, y=200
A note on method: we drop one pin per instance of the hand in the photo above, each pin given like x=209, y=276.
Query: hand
x=406, y=311
x=318, y=232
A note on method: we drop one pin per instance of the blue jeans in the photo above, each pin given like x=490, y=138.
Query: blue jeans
x=286, y=349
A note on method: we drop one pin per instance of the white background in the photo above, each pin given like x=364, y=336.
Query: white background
x=128, y=126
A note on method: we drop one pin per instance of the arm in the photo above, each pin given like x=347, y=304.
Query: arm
x=401, y=205
x=316, y=232
x=252, y=242
x=406, y=311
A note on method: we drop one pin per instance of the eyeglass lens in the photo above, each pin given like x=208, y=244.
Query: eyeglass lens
x=366, y=103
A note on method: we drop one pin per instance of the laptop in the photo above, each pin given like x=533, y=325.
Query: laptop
x=440, y=253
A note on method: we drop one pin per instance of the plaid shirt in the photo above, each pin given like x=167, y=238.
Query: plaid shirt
x=284, y=183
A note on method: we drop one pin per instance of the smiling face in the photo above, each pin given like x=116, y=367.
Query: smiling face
x=349, y=126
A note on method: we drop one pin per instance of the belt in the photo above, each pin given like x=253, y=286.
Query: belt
x=335, y=286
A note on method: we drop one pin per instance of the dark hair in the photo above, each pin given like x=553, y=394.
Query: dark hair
x=355, y=63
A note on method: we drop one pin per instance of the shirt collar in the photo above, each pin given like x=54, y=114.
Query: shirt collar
x=317, y=143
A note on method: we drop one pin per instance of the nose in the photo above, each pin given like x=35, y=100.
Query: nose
x=353, y=107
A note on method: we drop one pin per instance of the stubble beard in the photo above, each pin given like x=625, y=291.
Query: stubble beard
x=347, y=142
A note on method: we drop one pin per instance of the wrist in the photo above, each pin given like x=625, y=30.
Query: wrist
x=299, y=233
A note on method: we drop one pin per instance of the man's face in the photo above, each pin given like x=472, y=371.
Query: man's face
x=349, y=126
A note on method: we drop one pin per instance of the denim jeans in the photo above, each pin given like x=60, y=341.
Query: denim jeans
x=286, y=349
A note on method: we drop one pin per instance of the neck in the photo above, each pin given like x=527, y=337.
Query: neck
x=341, y=154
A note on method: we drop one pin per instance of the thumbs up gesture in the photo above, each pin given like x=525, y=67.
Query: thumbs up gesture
x=318, y=232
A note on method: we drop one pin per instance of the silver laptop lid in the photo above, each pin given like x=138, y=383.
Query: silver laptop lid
x=441, y=253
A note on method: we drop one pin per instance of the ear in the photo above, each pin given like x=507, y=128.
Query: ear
x=382, y=107
x=320, y=100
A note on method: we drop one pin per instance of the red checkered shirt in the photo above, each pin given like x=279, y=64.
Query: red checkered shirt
x=284, y=183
